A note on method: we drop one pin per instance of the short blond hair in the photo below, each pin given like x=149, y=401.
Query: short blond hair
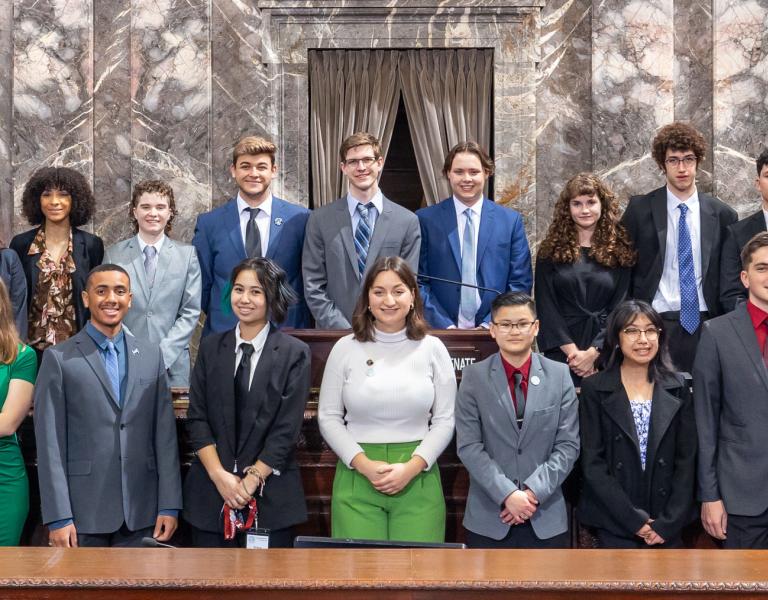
x=253, y=145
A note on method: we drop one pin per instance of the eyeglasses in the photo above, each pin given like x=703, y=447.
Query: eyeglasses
x=366, y=161
x=633, y=333
x=688, y=160
x=507, y=326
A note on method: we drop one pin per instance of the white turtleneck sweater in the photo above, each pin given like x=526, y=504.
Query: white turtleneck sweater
x=407, y=394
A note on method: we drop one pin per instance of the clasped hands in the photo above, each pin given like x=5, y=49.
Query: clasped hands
x=234, y=490
x=388, y=478
x=650, y=537
x=519, y=506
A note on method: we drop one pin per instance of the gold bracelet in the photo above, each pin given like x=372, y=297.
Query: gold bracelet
x=252, y=470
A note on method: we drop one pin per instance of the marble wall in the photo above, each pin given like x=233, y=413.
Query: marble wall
x=129, y=89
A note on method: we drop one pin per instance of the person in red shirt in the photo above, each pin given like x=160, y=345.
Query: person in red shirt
x=730, y=391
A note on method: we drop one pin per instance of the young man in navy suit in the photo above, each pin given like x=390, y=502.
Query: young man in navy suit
x=492, y=252
x=253, y=224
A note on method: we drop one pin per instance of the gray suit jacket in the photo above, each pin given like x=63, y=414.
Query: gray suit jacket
x=99, y=464
x=730, y=396
x=329, y=261
x=500, y=458
x=167, y=313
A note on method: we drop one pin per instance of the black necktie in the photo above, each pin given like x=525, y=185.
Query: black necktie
x=252, y=236
x=242, y=385
x=519, y=398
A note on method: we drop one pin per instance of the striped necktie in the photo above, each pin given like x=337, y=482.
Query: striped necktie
x=363, y=236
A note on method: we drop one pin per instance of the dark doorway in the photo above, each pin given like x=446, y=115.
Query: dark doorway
x=399, y=179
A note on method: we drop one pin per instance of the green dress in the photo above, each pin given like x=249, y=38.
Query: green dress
x=14, y=486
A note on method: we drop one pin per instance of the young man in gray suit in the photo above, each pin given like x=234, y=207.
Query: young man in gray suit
x=347, y=236
x=730, y=388
x=107, y=453
x=517, y=433
x=165, y=275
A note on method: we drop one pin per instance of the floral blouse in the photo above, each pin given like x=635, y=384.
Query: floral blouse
x=641, y=414
x=52, y=311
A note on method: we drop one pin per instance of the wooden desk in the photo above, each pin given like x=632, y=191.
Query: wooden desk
x=372, y=574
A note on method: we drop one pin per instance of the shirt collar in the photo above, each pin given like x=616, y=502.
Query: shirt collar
x=101, y=339
x=758, y=315
x=257, y=342
x=510, y=370
x=158, y=244
x=476, y=208
x=377, y=201
x=673, y=201
x=265, y=206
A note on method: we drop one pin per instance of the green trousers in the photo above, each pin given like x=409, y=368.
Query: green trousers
x=415, y=514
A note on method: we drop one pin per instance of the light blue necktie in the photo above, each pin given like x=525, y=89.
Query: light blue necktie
x=149, y=264
x=363, y=236
x=113, y=371
x=689, y=295
x=468, y=270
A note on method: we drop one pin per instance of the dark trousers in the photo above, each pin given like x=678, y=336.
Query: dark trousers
x=519, y=536
x=682, y=345
x=278, y=538
x=747, y=532
x=606, y=539
x=122, y=538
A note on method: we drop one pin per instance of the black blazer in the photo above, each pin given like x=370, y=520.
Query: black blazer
x=736, y=237
x=12, y=274
x=277, y=398
x=617, y=495
x=646, y=221
x=87, y=251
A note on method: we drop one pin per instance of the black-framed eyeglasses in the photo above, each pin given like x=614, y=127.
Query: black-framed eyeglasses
x=634, y=333
x=507, y=326
x=688, y=160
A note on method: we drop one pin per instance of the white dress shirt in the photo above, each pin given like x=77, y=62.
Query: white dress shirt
x=263, y=219
x=258, y=345
x=667, y=296
x=378, y=204
x=158, y=244
x=461, y=220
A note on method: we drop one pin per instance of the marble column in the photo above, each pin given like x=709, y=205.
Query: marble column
x=171, y=101
x=632, y=89
x=52, y=88
x=6, y=121
x=740, y=98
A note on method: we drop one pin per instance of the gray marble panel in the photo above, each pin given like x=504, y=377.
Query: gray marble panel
x=171, y=101
x=52, y=88
x=112, y=119
x=693, y=74
x=740, y=98
x=563, y=102
x=632, y=89
x=6, y=120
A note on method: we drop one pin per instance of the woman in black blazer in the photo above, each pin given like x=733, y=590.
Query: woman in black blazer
x=638, y=438
x=246, y=408
x=56, y=255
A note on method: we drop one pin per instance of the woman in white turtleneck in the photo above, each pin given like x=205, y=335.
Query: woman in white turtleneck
x=386, y=410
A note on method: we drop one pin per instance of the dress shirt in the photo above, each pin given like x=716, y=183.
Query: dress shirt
x=667, y=296
x=263, y=219
x=258, y=345
x=461, y=221
x=510, y=370
x=378, y=204
x=158, y=245
x=119, y=342
x=758, y=316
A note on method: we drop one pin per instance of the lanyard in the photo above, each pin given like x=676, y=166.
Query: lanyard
x=233, y=519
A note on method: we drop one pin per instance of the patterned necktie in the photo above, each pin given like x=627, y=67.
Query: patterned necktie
x=252, y=236
x=689, y=295
x=468, y=270
x=113, y=371
x=242, y=386
x=150, y=266
x=519, y=398
x=363, y=236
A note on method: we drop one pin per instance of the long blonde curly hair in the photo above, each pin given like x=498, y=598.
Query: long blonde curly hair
x=611, y=244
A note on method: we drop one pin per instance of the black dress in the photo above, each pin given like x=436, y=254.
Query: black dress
x=573, y=301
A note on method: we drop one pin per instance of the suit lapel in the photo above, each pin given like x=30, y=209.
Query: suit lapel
x=164, y=259
x=346, y=233
x=709, y=227
x=278, y=218
x=742, y=325
x=232, y=225
x=257, y=395
x=380, y=230
x=451, y=226
x=486, y=231
x=225, y=366
x=659, y=213
x=133, y=251
x=132, y=359
x=664, y=407
x=91, y=353
x=616, y=406
x=503, y=395
x=535, y=391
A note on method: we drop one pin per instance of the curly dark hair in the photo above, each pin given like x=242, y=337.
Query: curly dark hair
x=152, y=186
x=611, y=244
x=58, y=178
x=677, y=137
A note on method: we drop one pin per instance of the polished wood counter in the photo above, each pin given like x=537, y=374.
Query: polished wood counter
x=372, y=574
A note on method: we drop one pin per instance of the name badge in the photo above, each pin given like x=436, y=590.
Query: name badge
x=257, y=538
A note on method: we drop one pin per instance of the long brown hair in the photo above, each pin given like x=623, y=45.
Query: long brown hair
x=362, y=319
x=9, y=337
x=611, y=244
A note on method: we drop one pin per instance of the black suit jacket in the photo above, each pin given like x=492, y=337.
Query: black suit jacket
x=276, y=402
x=87, y=251
x=12, y=274
x=736, y=237
x=617, y=494
x=646, y=221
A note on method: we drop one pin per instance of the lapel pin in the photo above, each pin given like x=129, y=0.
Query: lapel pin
x=135, y=351
x=369, y=371
x=278, y=221
x=535, y=380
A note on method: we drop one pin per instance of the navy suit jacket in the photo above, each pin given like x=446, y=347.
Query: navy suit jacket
x=220, y=249
x=503, y=259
